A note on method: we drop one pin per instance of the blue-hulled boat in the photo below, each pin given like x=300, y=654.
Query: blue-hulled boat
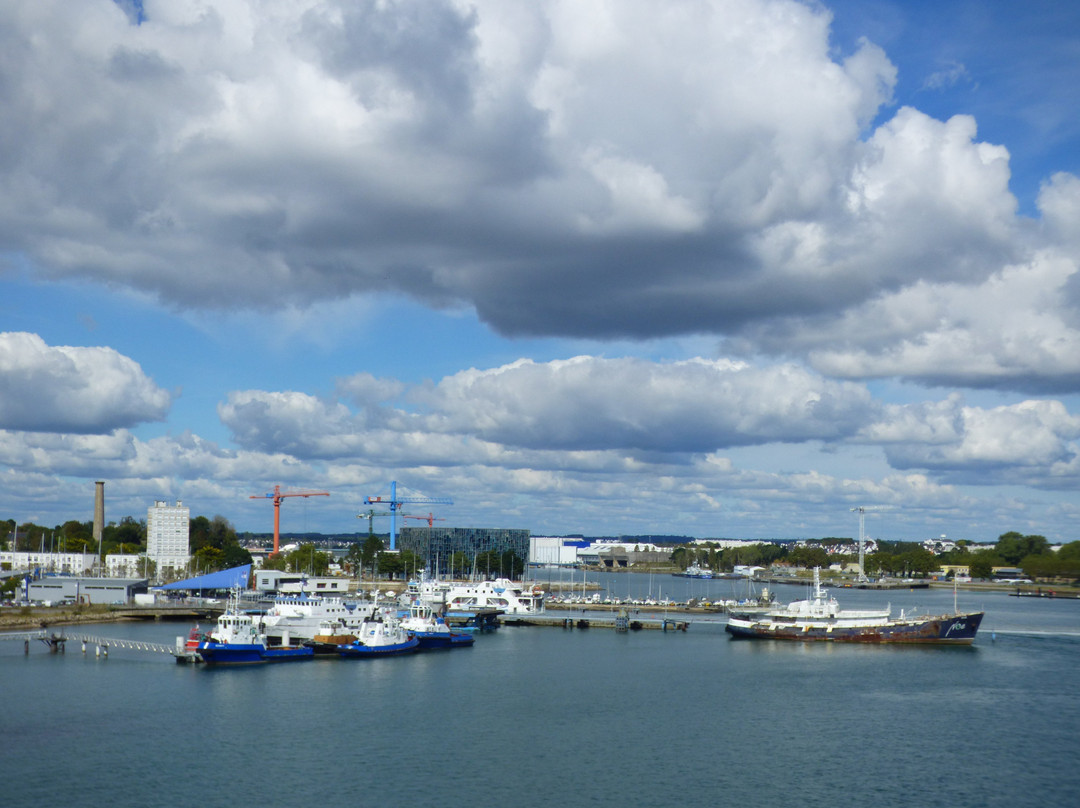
x=432, y=631
x=378, y=636
x=236, y=640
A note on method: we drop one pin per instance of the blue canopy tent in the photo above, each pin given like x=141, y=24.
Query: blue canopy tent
x=234, y=578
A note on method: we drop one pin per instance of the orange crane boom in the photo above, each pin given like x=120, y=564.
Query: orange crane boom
x=431, y=518
x=279, y=495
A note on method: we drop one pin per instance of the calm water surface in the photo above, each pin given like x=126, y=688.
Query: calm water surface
x=565, y=718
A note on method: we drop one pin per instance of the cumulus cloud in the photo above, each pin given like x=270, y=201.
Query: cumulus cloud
x=566, y=168
x=253, y=152
x=584, y=404
x=47, y=388
x=1015, y=331
x=631, y=404
x=1032, y=441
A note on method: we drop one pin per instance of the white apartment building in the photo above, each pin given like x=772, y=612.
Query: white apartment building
x=76, y=563
x=167, y=536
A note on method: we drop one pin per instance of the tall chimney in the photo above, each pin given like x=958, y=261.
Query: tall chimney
x=99, y=512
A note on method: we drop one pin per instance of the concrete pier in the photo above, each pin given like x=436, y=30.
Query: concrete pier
x=595, y=619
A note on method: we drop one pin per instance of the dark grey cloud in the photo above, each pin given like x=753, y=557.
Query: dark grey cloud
x=564, y=169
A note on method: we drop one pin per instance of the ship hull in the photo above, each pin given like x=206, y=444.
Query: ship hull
x=946, y=630
x=442, y=639
x=214, y=653
x=359, y=651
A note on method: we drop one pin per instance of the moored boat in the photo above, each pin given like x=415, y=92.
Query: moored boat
x=299, y=618
x=502, y=594
x=332, y=634
x=237, y=640
x=820, y=618
x=695, y=570
x=432, y=631
x=379, y=635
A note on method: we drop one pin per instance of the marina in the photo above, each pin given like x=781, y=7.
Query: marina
x=614, y=713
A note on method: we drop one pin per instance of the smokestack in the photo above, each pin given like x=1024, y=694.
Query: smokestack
x=99, y=512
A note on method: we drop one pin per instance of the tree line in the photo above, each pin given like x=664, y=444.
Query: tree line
x=1030, y=553
x=212, y=541
x=371, y=559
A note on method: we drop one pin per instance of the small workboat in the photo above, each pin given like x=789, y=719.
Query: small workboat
x=331, y=635
x=236, y=640
x=380, y=635
x=432, y=631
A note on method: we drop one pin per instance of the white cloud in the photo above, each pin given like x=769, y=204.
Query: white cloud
x=73, y=389
x=1017, y=330
x=630, y=404
x=1010, y=441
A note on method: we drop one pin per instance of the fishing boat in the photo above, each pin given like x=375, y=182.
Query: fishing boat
x=237, y=640
x=820, y=619
x=432, y=630
x=380, y=635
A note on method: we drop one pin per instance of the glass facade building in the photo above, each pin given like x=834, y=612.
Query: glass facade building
x=437, y=544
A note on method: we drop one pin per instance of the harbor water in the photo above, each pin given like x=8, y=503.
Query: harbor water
x=565, y=717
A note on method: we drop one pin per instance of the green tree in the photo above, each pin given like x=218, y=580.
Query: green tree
x=306, y=558
x=389, y=564
x=493, y=564
x=982, y=563
x=235, y=555
x=460, y=564
x=276, y=561
x=1013, y=546
x=808, y=557
x=1070, y=551
x=355, y=559
x=373, y=545
x=207, y=559
x=918, y=561
x=76, y=536
x=199, y=533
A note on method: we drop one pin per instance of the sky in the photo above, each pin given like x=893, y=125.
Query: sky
x=713, y=269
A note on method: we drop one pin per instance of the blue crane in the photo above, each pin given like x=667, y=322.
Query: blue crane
x=395, y=504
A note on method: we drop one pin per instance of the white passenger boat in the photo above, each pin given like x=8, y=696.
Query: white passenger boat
x=502, y=594
x=301, y=617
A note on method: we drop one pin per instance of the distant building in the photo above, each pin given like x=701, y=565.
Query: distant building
x=76, y=563
x=277, y=582
x=167, y=537
x=70, y=589
x=437, y=544
x=125, y=565
x=552, y=551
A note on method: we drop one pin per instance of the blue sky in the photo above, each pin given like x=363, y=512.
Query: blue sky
x=698, y=268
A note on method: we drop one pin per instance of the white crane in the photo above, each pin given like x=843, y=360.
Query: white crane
x=862, y=509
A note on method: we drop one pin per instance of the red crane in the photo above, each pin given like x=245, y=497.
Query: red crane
x=279, y=495
x=430, y=518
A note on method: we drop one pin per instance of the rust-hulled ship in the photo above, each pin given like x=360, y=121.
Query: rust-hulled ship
x=820, y=619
